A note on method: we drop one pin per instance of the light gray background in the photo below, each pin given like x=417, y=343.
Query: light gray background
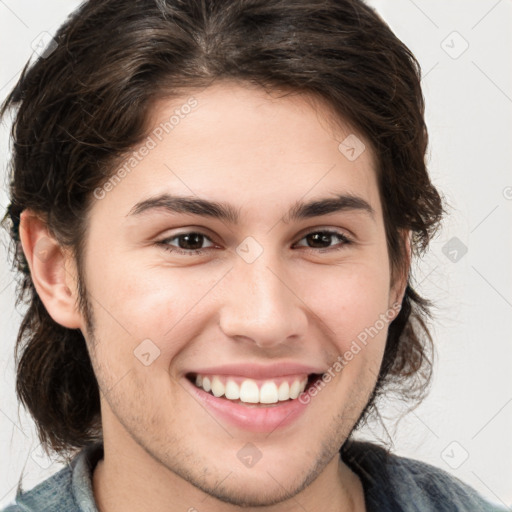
x=464, y=425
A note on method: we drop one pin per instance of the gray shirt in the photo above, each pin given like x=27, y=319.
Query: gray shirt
x=391, y=484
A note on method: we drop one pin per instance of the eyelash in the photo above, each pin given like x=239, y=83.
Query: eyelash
x=193, y=252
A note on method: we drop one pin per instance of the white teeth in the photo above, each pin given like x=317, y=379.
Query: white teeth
x=284, y=391
x=248, y=391
x=217, y=386
x=206, y=384
x=268, y=393
x=295, y=389
x=232, y=390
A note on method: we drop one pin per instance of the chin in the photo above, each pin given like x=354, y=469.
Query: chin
x=266, y=490
x=267, y=483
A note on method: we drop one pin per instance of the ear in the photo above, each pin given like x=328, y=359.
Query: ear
x=52, y=270
x=397, y=291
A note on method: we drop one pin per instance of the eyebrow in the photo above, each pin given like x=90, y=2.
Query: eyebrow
x=227, y=212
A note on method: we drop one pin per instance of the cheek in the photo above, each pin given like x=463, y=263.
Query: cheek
x=348, y=299
x=133, y=303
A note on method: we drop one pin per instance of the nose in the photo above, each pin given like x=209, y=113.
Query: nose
x=261, y=305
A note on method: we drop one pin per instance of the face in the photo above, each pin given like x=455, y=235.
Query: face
x=255, y=301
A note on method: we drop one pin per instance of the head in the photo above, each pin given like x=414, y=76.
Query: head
x=260, y=108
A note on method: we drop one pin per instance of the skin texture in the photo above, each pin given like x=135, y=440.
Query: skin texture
x=296, y=302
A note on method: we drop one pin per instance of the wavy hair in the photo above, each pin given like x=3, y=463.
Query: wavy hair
x=85, y=104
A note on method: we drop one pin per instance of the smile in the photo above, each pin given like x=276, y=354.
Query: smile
x=256, y=405
x=252, y=391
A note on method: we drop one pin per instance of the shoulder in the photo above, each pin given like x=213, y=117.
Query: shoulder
x=68, y=490
x=52, y=495
x=403, y=484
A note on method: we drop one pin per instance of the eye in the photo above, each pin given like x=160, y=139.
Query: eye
x=322, y=240
x=188, y=243
x=191, y=243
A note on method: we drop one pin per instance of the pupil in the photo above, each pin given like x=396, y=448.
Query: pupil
x=191, y=240
x=319, y=237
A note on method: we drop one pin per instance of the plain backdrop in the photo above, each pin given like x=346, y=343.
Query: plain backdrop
x=465, y=423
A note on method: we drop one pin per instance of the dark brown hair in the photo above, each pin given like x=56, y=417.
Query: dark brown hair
x=85, y=104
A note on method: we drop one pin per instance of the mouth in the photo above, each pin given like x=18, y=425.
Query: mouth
x=260, y=393
x=251, y=405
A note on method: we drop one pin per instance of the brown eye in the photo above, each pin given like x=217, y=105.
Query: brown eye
x=190, y=241
x=187, y=243
x=323, y=239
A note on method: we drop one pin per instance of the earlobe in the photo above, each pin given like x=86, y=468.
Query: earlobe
x=49, y=265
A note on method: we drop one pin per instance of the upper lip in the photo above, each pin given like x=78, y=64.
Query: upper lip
x=258, y=371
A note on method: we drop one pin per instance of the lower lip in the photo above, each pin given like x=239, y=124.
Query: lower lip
x=253, y=419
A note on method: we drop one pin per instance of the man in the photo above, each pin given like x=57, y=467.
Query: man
x=215, y=207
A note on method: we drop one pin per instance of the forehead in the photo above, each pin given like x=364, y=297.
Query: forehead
x=256, y=149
